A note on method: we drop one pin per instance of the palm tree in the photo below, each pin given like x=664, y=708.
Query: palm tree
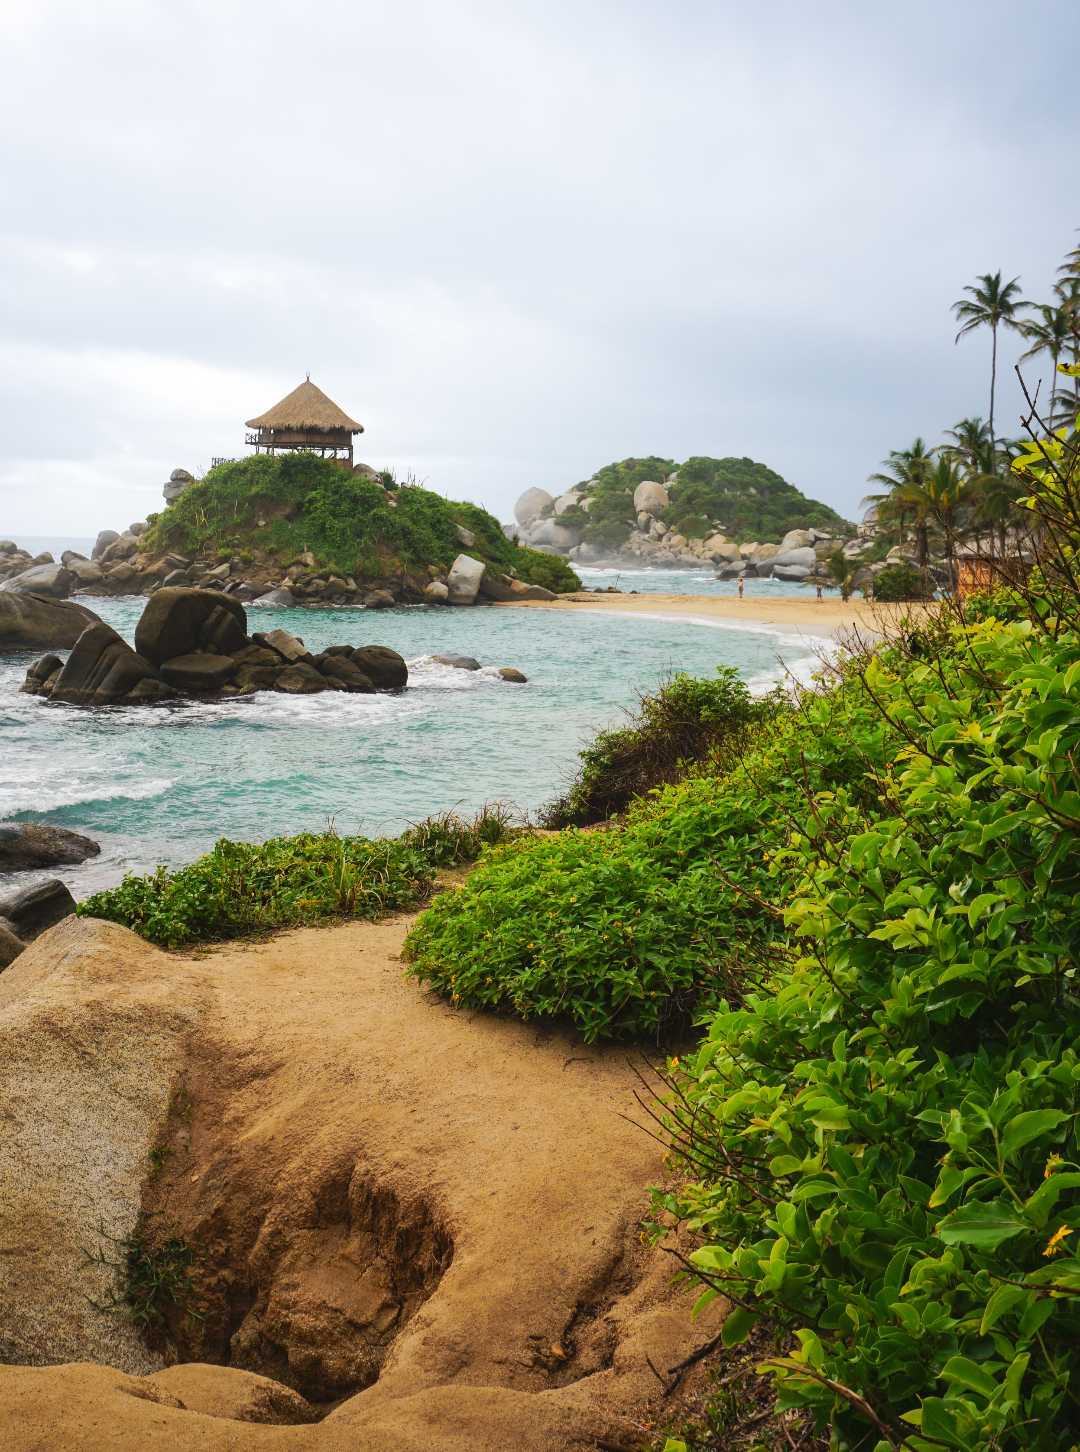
x=992, y=304
x=1051, y=333
x=902, y=469
x=972, y=444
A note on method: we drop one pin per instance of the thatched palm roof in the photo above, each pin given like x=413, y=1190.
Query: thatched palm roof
x=306, y=409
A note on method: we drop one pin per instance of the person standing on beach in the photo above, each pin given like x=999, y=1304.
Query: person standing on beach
x=820, y=597
x=742, y=584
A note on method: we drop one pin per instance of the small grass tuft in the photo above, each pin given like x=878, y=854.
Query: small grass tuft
x=152, y=1275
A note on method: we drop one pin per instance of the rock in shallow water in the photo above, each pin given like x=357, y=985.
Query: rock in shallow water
x=31, y=622
x=511, y=673
x=459, y=662
x=200, y=673
x=385, y=667
x=103, y=670
x=177, y=621
x=26, y=845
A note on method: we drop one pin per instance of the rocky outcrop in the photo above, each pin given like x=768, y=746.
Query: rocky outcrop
x=53, y=581
x=178, y=481
x=178, y=621
x=381, y=665
x=102, y=670
x=30, y=911
x=327, y=1182
x=651, y=498
x=494, y=586
x=532, y=504
x=31, y=622
x=91, y=1041
x=463, y=581
x=194, y=643
x=28, y=845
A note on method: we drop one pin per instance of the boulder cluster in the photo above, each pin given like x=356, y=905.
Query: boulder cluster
x=555, y=525
x=120, y=564
x=195, y=643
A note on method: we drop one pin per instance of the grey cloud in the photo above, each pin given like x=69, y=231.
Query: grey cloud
x=517, y=241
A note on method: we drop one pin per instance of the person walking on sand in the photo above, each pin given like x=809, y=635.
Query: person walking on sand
x=742, y=586
x=820, y=596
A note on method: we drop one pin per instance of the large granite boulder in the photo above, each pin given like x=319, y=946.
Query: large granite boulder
x=178, y=621
x=53, y=581
x=343, y=671
x=87, y=573
x=29, y=911
x=32, y=622
x=550, y=533
x=199, y=674
x=383, y=666
x=463, y=581
x=102, y=543
x=796, y=539
x=178, y=481
x=436, y=593
x=804, y=556
x=531, y=505
x=279, y=599
x=103, y=670
x=289, y=647
x=650, y=497
x=28, y=845
x=494, y=586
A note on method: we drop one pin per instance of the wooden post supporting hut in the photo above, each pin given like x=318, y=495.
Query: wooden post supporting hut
x=305, y=419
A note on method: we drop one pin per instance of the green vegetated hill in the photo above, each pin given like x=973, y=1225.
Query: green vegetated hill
x=370, y=528
x=744, y=499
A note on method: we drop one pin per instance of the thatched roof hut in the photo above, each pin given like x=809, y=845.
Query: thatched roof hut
x=305, y=419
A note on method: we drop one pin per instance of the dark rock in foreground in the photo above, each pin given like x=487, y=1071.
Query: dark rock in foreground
x=31, y=622
x=28, y=911
x=27, y=845
x=102, y=670
x=195, y=643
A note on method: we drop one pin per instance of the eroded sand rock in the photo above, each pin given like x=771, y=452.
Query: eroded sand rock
x=426, y=1216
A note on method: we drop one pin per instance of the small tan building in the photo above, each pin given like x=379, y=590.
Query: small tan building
x=982, y=565
x=305, y=419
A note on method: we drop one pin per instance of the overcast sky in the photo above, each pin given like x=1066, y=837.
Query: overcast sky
x=517, y=240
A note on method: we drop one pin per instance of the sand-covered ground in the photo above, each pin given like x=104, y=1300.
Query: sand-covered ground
x=828, y=617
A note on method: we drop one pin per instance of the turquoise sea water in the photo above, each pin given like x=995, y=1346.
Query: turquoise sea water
x=161, y=784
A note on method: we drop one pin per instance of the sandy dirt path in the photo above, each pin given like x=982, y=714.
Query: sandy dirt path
x=382, y=1190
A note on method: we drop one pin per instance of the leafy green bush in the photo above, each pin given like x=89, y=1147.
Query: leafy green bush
x=345, y=519
x=247, y=887
x=902, y=582
x=897, y=1117
x=686, y=720
x=749, y=500
x=629, y=933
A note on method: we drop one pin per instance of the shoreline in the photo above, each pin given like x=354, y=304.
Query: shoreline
x=824, y=619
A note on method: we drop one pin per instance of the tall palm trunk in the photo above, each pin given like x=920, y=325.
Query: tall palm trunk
x=993, y=390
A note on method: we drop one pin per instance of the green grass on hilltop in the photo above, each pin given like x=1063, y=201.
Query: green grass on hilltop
x=346, y=520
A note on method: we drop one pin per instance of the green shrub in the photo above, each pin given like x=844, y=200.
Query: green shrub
x=751, y=501
x=902, y=582
x=897, y=1116
x=686, y=720
x=345, y=519
x=248, y=887
x=629, y=933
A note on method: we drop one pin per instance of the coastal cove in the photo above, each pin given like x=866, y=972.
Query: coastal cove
x=161, y=785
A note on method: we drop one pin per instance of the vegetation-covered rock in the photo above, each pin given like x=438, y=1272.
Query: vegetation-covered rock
x=306, y=518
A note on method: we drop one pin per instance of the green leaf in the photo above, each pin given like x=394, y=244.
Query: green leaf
x=966, y=1373
x=1000, y=1303
x=1026, y=1127
x=737, y=1326
x=984, y=1224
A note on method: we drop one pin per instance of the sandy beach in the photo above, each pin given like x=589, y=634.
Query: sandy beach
x=815, y=618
